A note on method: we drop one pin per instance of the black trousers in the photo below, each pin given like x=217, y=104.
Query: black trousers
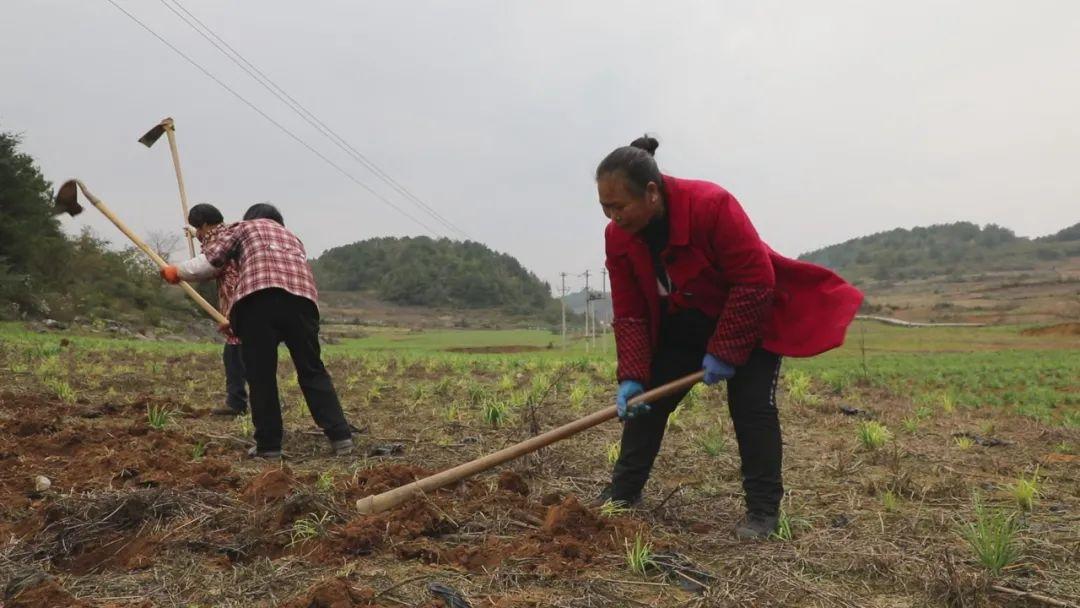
x=751, y=402
x=263, y=320
x=236, y=397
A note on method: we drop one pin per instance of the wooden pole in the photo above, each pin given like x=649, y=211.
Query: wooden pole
x=170, y=132
x=392, y=498
x=210, y=310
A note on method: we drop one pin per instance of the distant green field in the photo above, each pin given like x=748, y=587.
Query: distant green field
x=999, y=367
x=1037, y=376
x=436, y=341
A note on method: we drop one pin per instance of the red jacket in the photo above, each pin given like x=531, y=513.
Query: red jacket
x=721, y=267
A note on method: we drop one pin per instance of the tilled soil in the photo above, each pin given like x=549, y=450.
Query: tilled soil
x=137, y=516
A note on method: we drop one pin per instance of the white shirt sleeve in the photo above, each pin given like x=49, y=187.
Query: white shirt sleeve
x=197, y=268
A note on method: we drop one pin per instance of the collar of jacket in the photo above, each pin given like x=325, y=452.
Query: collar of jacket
x=619, y=241
x=212, y=233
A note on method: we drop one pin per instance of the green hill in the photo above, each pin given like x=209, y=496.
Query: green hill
x=426, y=272
x=944, y=249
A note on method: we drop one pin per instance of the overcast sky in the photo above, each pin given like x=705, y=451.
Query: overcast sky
x=828, y=120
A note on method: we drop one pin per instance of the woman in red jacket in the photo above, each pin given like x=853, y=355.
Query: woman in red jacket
x=693, y=287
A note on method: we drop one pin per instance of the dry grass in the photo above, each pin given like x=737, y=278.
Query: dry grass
x=881, y=528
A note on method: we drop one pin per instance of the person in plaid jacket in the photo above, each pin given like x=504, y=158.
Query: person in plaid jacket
x=274, y=300
x=208, y=224
x=693, y=288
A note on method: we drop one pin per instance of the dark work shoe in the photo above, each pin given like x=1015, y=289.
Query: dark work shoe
x=224, y=410
x=255, y=452
x=608, y=494
x=756, y=526
x=342, y=447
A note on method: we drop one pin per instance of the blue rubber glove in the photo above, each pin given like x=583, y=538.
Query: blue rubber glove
x=628, y=389
x=716, y=370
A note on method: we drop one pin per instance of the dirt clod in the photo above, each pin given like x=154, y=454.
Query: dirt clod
x=46, y=591
x=271, y=486
x=334, y=593
x=512, y=482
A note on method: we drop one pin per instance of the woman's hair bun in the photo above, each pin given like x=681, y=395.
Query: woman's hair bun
x=647, y=143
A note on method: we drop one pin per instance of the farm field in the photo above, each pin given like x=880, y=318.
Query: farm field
x=924, y=467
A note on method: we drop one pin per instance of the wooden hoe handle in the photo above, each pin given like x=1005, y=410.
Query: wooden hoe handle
x=392, y=498
x=210, y=310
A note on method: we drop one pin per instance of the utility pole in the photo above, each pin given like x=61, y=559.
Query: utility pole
x=603, y=292
x=562, y=300
x=588, y=306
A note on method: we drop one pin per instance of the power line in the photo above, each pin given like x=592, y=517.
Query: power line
x=281, y=127
x=267, y=83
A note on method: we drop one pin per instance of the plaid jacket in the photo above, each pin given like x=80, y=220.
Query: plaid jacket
x=266, y=255
x=228, y=277
x=720, y=266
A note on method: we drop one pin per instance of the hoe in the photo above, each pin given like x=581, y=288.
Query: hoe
x=168, y=127
x=392, y=498
x=67, y=201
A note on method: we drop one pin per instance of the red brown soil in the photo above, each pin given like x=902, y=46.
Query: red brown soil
x=79, y=455
x=485, y=350
x=113, y=446
x=122, y=552
x=47, y=593
x=1061, y=329
x=334, y=593
x=512, y=482
x=383, y=478
x=571, y=518
x=272, y=485
x=366, y=533
x=570, y=538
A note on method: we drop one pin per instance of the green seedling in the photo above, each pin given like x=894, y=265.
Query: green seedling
x=614, y=449
x=948, y=402
x=476, y=393
x=911, y=424
x=890, y=501
x=797, y=385
x=613, y=509
x=324, y=484
x=785, y=527
x=639, y=555
x=506, y=383
x=311, y=526
x=245, y=426
x=158, y=416
x=1025, y=491
x=452, y=413
x=578, y=395
x=495, y=412
x=61, y=389
x=872, y=434
x=674, y=420
x=993, y=538
x=713, y=443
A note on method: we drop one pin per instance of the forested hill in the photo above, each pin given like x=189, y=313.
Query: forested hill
x=944, y=249
x=427, y=272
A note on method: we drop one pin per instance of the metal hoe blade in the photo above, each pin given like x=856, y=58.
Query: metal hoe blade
x=67, y=199
x=151, y=136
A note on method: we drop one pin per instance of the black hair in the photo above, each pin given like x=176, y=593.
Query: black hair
x=264, y=211
x=636, y=164
x=204, y=215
